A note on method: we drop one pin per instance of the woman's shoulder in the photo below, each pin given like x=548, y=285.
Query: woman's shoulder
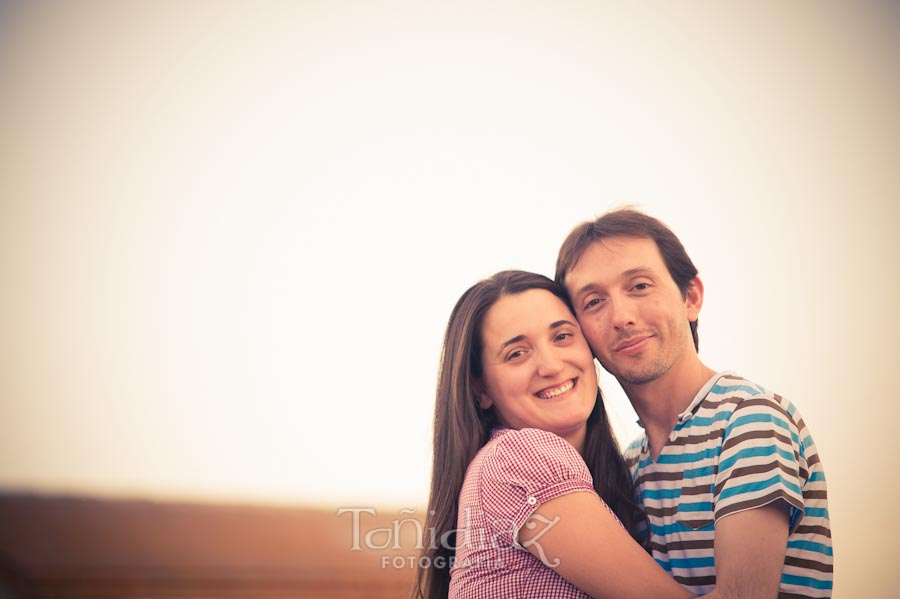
x=523, y=468
x=529, y=450
x=527, y=440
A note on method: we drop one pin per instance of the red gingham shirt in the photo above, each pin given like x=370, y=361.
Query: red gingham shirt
x=510, y=477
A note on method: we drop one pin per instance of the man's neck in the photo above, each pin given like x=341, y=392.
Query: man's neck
x=659, y=402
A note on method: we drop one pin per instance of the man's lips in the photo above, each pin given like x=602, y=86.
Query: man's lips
x=631, y=345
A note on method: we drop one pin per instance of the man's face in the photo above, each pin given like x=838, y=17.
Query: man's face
x=632, y=312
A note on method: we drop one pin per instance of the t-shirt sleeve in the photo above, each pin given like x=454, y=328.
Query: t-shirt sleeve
x=527, y=468
x=761, y=460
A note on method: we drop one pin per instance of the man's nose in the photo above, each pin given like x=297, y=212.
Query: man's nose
x=622, y=312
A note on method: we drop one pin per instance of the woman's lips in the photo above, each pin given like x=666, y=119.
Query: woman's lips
x=557, y=390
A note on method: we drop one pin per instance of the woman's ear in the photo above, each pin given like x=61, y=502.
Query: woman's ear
x=484, y=400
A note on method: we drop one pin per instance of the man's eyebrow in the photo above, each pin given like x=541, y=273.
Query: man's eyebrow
x=640, y=270
x=584, y=288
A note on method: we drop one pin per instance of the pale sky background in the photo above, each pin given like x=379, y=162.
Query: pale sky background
x=231, y=236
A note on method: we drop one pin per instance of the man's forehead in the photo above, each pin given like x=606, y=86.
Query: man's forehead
x=612, y=258
x=623, y=244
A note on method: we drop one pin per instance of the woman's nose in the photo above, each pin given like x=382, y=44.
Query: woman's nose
x=549, y=362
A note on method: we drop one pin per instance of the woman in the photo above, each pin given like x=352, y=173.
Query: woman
x=515, y=511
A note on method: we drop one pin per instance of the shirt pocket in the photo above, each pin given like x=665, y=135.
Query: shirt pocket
x=695, y=508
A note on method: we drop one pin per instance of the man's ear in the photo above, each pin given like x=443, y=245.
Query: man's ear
x=484, y=400
x=693, y=298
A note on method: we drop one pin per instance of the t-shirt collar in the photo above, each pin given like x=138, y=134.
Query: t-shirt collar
x=688, y=413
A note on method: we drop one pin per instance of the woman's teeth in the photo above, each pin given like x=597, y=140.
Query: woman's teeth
x=551, y=393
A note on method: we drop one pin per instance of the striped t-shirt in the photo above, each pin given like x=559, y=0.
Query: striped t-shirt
x=736, y=447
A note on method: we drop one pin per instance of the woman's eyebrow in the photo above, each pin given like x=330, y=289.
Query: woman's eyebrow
x=515, y=339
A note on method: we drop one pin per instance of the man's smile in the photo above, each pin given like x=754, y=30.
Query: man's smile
x=632, y=345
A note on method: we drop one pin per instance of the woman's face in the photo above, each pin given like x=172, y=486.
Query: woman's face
x=538, y=371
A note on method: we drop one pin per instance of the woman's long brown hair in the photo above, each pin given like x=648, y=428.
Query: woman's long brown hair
x=461, y=428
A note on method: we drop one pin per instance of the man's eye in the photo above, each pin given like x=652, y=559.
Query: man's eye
x=641, y=287
x=592, y=303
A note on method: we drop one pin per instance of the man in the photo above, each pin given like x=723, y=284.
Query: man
x=727, y=472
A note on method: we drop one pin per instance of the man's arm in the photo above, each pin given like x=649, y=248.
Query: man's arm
x=749, y=552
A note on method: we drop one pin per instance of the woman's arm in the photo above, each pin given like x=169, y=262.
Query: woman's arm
x=577, y=536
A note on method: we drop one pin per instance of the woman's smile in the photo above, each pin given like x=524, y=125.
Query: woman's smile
x=538, y=371
x=554, y=392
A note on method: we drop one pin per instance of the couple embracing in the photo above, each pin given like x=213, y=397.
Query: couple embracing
x=723, y=494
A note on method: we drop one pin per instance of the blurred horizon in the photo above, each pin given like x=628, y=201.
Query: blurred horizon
x=202, y=499
x=66, y=547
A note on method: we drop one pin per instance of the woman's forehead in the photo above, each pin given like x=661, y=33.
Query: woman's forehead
x=526, y=313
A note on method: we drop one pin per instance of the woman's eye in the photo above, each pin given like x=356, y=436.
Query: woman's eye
x=641, y=286
x=514, y=355
x=563, y=336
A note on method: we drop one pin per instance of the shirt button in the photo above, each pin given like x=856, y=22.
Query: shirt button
x=532, y=500
x=673, y=436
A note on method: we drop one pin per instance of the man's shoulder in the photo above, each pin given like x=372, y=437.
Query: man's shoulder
x=734, y=395
x=731, y=385
x=732, y=392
